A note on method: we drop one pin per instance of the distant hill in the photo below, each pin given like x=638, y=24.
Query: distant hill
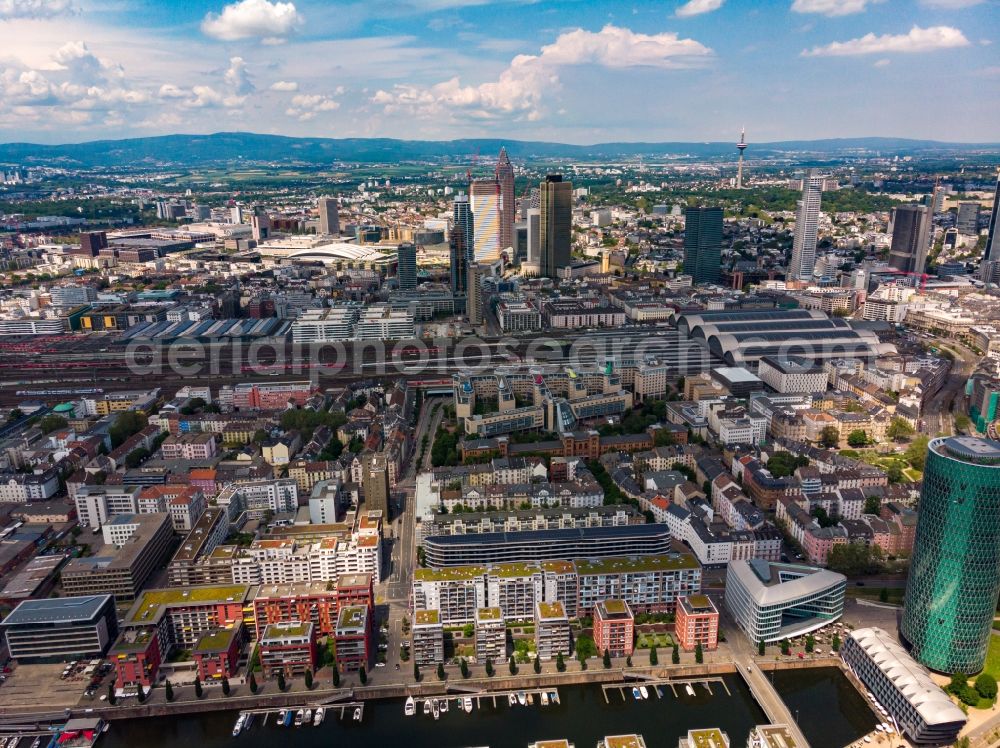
x=227, y=147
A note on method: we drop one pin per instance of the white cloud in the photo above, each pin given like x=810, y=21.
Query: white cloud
x=171, y=91
x=697, y=7
x=284, y=86
x=917, y=40
x=34, y=8
x=950, y=4
x=519, y=90
x=305, y=107
x=830, y=7
x=237, y=78
x=253, y=18
x=203, y=97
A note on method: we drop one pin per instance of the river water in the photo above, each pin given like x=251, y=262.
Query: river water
x=583, y=718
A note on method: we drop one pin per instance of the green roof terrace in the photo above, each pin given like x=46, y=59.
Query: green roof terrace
x=637, y=564
x=152, y=603
x=454, y=573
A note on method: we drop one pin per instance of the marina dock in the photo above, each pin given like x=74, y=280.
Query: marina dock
x=657, y=686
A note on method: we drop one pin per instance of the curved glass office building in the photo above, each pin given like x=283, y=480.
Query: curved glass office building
x=951, y=594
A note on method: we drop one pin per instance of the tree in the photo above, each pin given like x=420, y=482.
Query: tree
x=883, y=595
x=253, y=684
x=141, y=694
x=606, y=659
x=127, y=423
x=363, y=675
x=829, y=437
x=560, y=663
x=281, y=681
x=857, y=438
x=760, y=647
x=416, y=672
x=699, y=655
x=585, y=647
x=259, y=436
x=899, y=429
x=786, y=648
x=873, y=505
x=111, y=694
x=226, y=689
x=198, y=690
x=489, y=668
x=810, y=643
x=538, y=665
x=628, y=661
x=654, y=658
x=136, y=457
x=468, y=630
x=916, y=453
x=51, y=423
x=440, y=671
x=168, y=690
x=675, y=655
x=309, y=679
x=986, y=685
x=835, y=643
x=336, y=676
x=512, y=665
x=463, y=668
x=855, y=559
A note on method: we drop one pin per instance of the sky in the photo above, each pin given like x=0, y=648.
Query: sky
x=572, y=71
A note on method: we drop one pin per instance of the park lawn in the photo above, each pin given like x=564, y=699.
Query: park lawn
x=993, y=657
x=885, y=461
x=648, y=641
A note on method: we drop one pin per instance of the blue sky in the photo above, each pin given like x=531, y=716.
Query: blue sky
x=577, y=71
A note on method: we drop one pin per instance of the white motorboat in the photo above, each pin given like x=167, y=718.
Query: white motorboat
x=522, y=698
x=427, y=706
x=436, y=709
x=410, y=708
x=282, y=716
x=357, y=714
x=689, y=689
x=307, y=717
x=511, y=699
x=467, y=704
x=237, y=728
x=444, y=706
x=545, y=698
x=644, y=692
x=319, y=716
x=300, y=715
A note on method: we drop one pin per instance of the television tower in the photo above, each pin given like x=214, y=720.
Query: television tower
x=741, y=146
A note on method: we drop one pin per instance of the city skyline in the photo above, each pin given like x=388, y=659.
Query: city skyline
x=457, y=68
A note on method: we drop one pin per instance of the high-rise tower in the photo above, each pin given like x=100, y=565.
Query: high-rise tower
x=555, y=224
x=741, y=146
x=329, y=216
x=703, y=244
x=908, y=250
x=993, y=233
x=505, y=181
x=406, y=266
x=485, y=194
x=951, y=593
x=462, y=237
x=806, y=228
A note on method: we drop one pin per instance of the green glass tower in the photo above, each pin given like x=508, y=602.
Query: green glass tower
x=951, y=594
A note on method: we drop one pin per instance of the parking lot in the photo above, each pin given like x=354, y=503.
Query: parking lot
x=39, y=688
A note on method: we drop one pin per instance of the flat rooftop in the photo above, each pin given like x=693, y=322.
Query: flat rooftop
x=624, y=741
x=152, y=603
x=710, y=737
x=551, y=611
x=352, y=617
x=614, y=609
x=57, y=610
x=632, y=564
x=430, y=617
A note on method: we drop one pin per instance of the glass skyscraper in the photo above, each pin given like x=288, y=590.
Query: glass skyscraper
x=951, y=594
x=703, y=244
